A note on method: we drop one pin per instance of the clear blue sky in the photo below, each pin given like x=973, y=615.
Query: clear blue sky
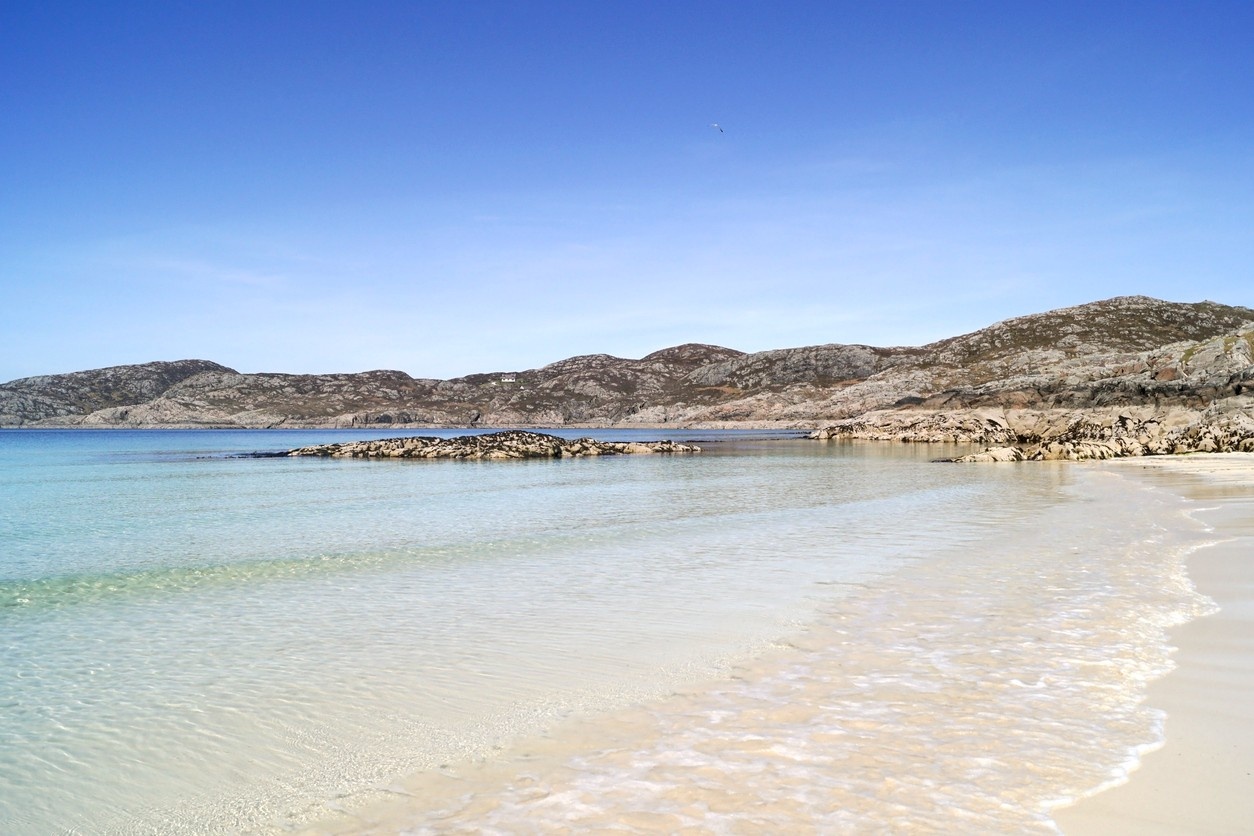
x=452, y=187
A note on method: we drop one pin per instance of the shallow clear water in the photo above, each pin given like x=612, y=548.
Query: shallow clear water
x=191, y=642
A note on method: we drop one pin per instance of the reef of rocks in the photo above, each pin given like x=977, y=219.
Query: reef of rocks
x=508, y=444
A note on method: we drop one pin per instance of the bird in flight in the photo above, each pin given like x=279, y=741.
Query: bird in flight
x=717, y=125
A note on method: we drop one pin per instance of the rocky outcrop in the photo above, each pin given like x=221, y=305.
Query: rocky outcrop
x=820, y=365
x=510, y=444
x=1072, y=435
x=68, y=398
x=1046, y=402
x=927, y=426
x=1085, y=438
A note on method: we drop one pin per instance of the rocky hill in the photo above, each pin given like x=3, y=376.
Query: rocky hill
x=68, y=398
x=1123, y=352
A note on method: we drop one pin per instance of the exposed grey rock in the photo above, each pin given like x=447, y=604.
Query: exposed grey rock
x=814, y=365
x=994, y=454
x=1072, y=435
x=47, y=398
x=508, y=444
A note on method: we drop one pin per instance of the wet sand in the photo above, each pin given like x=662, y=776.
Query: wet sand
x=950, y=696
x=1202, y=780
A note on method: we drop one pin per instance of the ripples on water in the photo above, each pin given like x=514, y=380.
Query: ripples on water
x=776, y=636
x=971, y=692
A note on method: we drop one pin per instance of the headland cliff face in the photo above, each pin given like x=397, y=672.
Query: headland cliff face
x=1131, y=368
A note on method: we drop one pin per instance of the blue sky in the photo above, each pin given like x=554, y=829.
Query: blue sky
x=453, y=187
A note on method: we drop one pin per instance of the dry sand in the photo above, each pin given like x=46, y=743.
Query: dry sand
x=1202, y=780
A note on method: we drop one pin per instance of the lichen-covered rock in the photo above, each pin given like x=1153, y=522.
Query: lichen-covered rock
x=1080, y=436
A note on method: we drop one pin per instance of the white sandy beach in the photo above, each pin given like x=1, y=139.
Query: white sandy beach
x=1202, y=780
x=898, y=717
x=1198, y=782
x=1008, y=653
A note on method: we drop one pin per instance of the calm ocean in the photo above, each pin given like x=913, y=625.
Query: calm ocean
x=841, y=636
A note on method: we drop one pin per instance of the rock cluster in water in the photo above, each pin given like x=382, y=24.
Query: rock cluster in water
x=508, y=444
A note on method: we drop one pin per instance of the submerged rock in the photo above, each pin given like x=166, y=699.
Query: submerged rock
x=507, y=444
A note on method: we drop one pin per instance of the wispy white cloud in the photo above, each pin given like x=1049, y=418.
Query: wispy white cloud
x=462, y=283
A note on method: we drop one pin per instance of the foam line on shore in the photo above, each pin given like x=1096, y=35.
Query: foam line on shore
x=978, y=689
x=1198, y=780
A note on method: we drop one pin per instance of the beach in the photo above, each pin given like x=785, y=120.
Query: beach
x=1202, y=779
x=926, y=705
x=667, y=770
x=771, y=636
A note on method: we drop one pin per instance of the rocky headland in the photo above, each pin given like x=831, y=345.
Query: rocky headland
x=1118, y=375
x=508, y=444
x=1085, y=383
x=1069, y=434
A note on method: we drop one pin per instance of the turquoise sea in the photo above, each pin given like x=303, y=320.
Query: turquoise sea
x=197, y=642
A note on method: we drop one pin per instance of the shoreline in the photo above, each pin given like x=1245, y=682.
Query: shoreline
x=803, y=702
x=1200, y=779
